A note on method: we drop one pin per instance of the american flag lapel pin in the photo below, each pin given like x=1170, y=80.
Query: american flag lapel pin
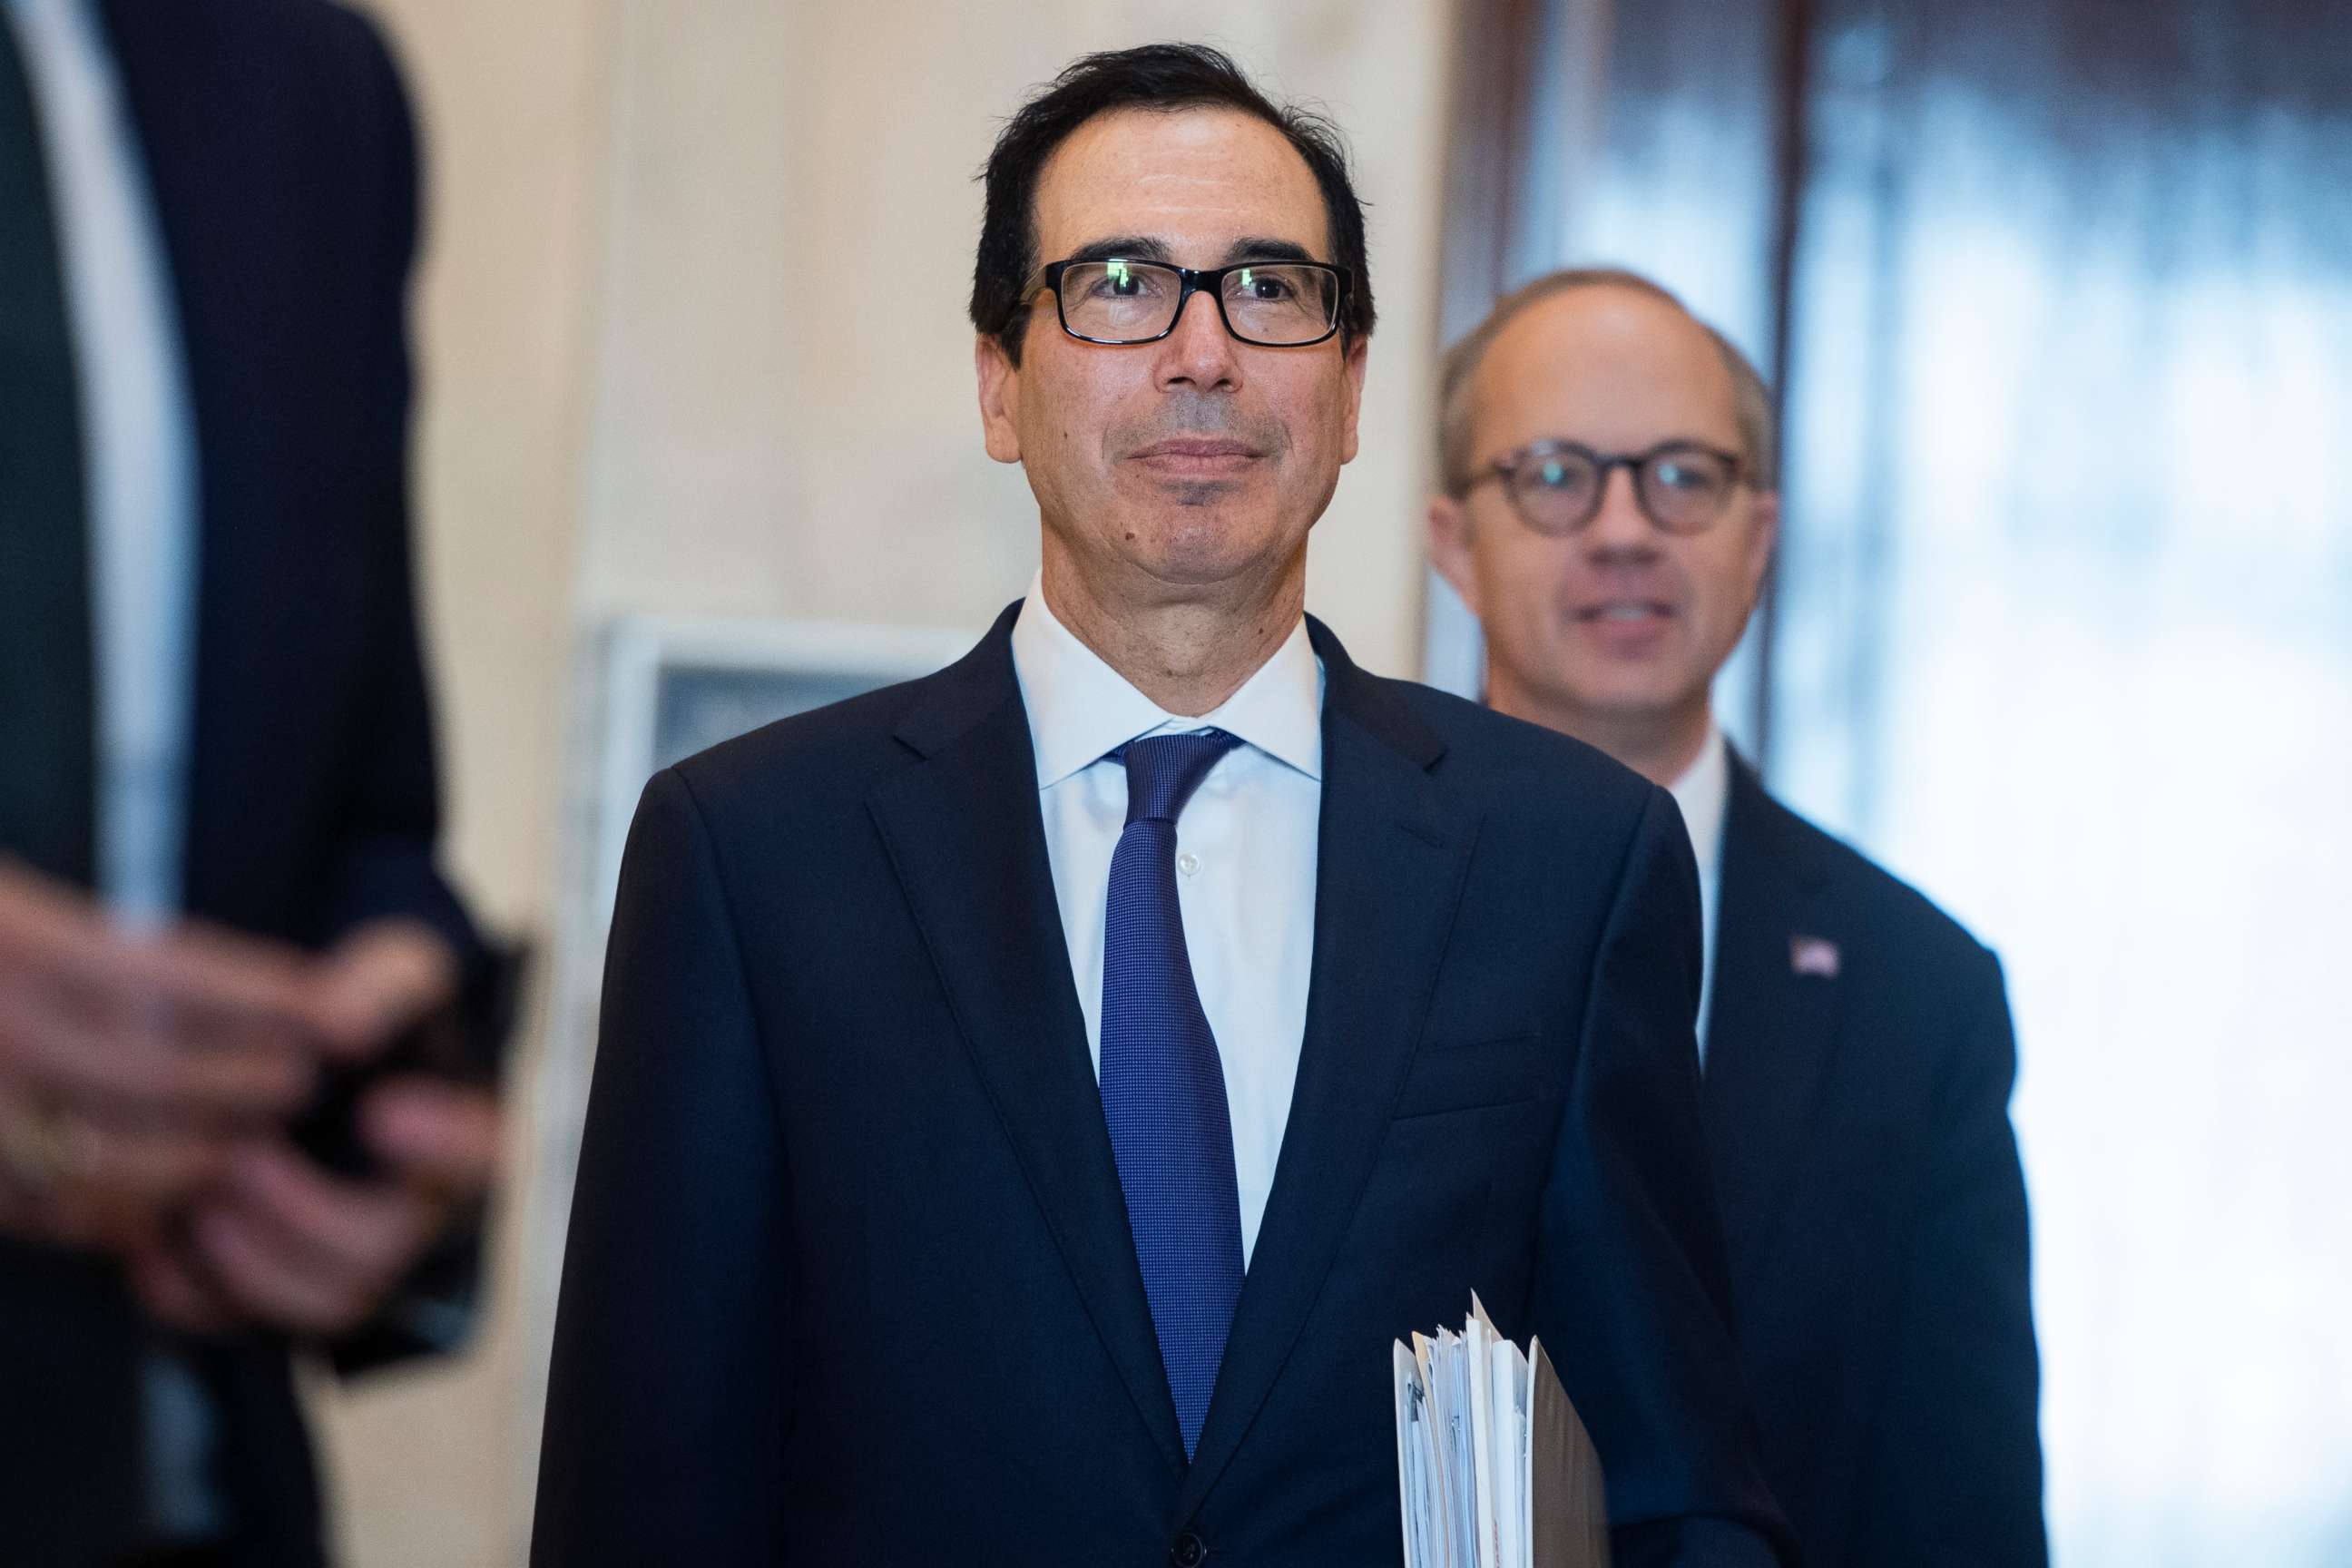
x=1814, y=955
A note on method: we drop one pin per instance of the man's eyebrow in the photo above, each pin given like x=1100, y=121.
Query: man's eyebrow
x=1265, y=250
x=1125, y=247
x=1143, y=248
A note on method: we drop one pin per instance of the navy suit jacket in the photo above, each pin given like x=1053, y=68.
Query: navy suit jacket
x=279, y=150
x=850, y=1279
x=1875, y=1207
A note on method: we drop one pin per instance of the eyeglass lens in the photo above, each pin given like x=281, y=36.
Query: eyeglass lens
x=1680, y=490
x=1278, y=303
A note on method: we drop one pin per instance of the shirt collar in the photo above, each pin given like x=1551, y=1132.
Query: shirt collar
x=1080, y=709
x=1703, y=793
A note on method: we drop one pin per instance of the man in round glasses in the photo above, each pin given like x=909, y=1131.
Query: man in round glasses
x=1610, y=527
x=1608, y=510
x=1032, y=1100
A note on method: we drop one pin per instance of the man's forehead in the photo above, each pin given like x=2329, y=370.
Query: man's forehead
x=1191, y=177
x=1620, y=364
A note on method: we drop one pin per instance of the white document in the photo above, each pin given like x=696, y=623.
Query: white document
x=1495, y=1468
x=1461, y=1452
x=1416, y=1465
x=1508, y=1397
x=1485, y=1454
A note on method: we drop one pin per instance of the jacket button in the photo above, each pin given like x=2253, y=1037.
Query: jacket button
x=1186, y=1551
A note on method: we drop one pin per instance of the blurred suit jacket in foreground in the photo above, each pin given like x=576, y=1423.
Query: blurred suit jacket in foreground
x=280, y=156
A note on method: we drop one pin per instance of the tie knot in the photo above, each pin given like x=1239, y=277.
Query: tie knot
x=1162, y=771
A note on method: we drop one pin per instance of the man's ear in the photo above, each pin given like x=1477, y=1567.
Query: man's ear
x=1000, y=398
x=1449, y=547
x=1358, y=352
x=1763, y=537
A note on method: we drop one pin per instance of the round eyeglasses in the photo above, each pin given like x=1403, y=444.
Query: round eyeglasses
x=1557, y=487
x=1273, y=305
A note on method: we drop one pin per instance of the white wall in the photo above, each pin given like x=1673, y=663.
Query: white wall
x=647, y=388
x=761, y=442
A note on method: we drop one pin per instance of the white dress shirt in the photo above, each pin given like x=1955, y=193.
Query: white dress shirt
x=139, y=438
x=1704, y=793
x=1245, y=853
x=139, y=454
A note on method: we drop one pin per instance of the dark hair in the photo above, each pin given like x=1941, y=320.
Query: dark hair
x=1162, y=76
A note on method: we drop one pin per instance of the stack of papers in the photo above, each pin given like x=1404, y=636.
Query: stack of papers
x=1493, y=1469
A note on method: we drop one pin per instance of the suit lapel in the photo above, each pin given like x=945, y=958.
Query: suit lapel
x=967, y=840
x=1391, y=853
x=1773, y=1031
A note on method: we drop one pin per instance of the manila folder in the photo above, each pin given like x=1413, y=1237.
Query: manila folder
x=1569, y=1507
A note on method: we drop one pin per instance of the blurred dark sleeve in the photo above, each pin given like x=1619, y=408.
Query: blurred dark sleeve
x=385, y=863
x=1632, y=1283
x=1956, y=1478
x=390, y=820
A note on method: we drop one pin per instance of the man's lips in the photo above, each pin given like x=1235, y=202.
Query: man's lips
x=1628, y=611
x=1198, y=453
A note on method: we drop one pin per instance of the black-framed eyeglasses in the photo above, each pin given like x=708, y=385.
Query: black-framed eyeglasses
x=1557, y=487
x=1273, y=304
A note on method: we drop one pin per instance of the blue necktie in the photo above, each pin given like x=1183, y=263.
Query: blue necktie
x=1164, y=1089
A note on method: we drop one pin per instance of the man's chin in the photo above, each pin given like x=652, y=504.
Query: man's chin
x=1202, y=546
x=1618, y=702
x=1184, y=493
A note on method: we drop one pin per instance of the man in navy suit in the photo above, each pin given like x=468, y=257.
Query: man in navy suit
x=1609, y=511
x=217, y=806
x=1031, y=1100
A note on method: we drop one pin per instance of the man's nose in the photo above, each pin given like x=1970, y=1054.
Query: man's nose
x=1621, y=526
x=1199, y=352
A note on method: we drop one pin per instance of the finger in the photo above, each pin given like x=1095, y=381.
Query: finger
x=379, y=981
x=190, y=984
x=339, y=1235
x=440, y=1136
x=212, y=984
x=93, y=1218
x=157, y=1167
x=81, y=1057
x=175, y=1292
x=262, y=1277
x=104, y=1184
x=374, y=1228
x=38, y=912
x=83, y=1014
x=64, y=1220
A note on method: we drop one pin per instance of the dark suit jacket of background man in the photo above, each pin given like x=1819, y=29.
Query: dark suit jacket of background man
x=1872, y=1197
x=850, y=1278
x=279, y=153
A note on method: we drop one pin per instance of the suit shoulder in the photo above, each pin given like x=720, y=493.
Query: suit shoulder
x=1896, y=914
x=1512, y=762
x=824, y=754
x=368, y=62
x=332, y=74
x=329, y=37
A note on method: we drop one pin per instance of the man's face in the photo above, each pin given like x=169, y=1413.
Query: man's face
x=1619, y=623
x=1170, y=468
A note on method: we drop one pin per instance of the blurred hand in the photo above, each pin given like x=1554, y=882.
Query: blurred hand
x=135, y=1069
x=146, y=1081
x=289, y=1245
x=283, y=1243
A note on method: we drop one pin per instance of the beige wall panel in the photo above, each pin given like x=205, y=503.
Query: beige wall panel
x=424, y=1466
x=784, y=418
